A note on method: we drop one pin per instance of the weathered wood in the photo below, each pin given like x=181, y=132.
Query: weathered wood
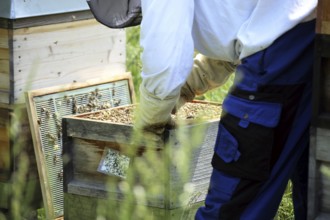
x=98, y=130
x=89, y=138
x=324, y=187
x=59, y=102
x=48, y=55
x=323, y=17
x=319, y=155
x=4, y=66
x=323, y=145
x=313, y=178
x=45, y=19
x=325, y=103
x=86, y=48
x=321, y=82
x=319, y=174
x=323, y=216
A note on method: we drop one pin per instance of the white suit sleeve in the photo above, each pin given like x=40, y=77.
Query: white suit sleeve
x=167, y=44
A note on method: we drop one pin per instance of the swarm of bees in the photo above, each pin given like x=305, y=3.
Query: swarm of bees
x=89, y=102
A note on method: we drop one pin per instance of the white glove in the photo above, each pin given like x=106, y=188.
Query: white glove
x=206, y=75
x=152, y=116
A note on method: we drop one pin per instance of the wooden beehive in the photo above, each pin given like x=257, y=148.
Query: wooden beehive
x=85, y=141
x=46, y=107
x=44, y=44
x=319, y=162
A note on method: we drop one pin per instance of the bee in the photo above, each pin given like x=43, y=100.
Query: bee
x=60, y=176
x=116, y=102
x=56, y=159
x=52, y=138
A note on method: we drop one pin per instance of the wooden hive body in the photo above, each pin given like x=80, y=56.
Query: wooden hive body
x=85, y=141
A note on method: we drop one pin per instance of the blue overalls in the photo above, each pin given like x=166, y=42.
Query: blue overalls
x=263, y=133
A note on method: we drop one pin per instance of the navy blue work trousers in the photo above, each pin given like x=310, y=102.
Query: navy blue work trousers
x=263, y=133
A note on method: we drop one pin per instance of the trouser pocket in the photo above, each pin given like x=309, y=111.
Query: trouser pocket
x=245, y=137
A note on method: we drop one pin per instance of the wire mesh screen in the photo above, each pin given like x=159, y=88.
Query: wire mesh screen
x=51, y=108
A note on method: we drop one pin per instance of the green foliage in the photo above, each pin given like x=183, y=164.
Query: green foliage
x=285, y=211
x=133, y=52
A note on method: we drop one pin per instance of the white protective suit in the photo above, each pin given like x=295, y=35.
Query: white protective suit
x=226, y=30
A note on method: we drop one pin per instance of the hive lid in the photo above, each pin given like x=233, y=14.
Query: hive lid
x=46, y=107
x=14, y=9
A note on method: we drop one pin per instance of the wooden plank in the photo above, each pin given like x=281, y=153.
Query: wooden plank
x=98, y=130
x=63, y=53
x=324, y=187
x=322, y=144
x=323, y=17
x=45, y=19
x=4, y=43
x=4, y=66
x=325, y=91
x=323, y=216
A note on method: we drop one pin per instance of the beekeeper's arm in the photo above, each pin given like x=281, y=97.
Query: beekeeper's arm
x=206, y=75
x=167, y=59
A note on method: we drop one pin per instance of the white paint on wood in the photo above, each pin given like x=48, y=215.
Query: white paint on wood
x=58, y=54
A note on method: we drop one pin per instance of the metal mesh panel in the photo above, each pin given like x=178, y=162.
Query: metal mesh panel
x=51, y=108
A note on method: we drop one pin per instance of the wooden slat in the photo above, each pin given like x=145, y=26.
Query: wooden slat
x=323, y=17
x=325, y=187
x=323, y=216
x=4, y=38
x=323, y=144
x=98, y=130
x=63, y=53
x=45, y=19
x=4, y=66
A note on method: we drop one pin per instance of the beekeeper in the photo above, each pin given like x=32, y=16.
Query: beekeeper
x=263, y=134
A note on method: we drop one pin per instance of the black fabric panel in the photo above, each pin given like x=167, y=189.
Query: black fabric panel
x=244, y=193
x=260, y=146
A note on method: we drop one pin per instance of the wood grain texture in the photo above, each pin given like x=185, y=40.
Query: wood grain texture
x=90, y=137
x=323, y=17
x=323, y=145
x=56, y=54
x=46, y=163
x=4, y=66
